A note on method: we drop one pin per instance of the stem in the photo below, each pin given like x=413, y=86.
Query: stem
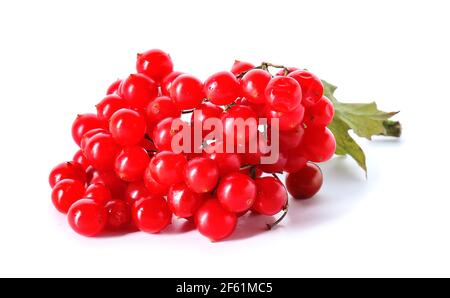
x=187, y=111
x=285, y=212
x=265, y=66
x=393, y=128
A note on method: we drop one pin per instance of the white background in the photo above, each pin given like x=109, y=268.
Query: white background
x=58, y=57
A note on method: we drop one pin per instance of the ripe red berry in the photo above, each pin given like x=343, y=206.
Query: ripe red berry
x=114, y=87
x=183, y=201
x=187, y=92
x=241, y=66
x=119, y=215
x=276, y=167
x=236, y=192
x=271, y=196
x=108, y=106
x=226, y=162
x=201, y=174
x=138, y=90
x=231, y=130
x=163, y=134
x=87, y=217
x=214, y=222
x=205, y=111
x=115, y=185
x=318, y=144
x=80, y=159
x=305, y=183
x=136, y=191
x=155, y=64
x=290, y=139
x=320, y=113
x=131, y=163
x=67, y=170
x=282, y=72
x=166, y=83
x=162, y=107
x=127, y=127
x=287, y=120
x=222, y=88
x=87, y=136
x=253, y=85
x=98, y=192
x=312, y=87
x=167, y=167
x=153, y=186
x=65, y=193
x=83, y=124
x=283, y=94
x=101, y=151
x=151, y=214
x=295, y=161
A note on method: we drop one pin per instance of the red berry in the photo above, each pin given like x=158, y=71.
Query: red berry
x=136, y=191
x=214, y=222
x=287, y=120
x=290, y=139
x=119, y=215
x=241, y=66
x=108, y=106
x=187, y=92
x=295, y=161
x=101, y=151
x=65, y=193
x=230, y=127
x=167, y=167
x=254, y=84
x=87, y=136
x=80, y=159
x=138, y=90
x=305, y=183
x=87, y=217
x=131, y=163
x=163, y=134
x=271, y=196
x=320, y=113
x=67, y=170
x=166, y=83
x=151, y=214
x=226, y=162
x=312, y=87
x=98, y=192
x=201, y=174
x=222, y=88
x=114, y=87
x=283, y=94
x=115, y=185
x=183, y=201
x=276, y=167
x=318, y=144
x=152, y=185
x=205, y=111
x=159, y=109
x=155, y=64
x=127, y=127
x=236, y=192
x=83, y=124
x=281, y=72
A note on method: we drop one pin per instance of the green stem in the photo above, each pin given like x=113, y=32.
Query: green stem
x=393, y=128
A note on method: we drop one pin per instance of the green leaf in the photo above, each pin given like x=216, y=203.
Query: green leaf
x=364, y=119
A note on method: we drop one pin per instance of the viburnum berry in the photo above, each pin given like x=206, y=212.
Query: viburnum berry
x=183, y=201
x=305, y=183
x=271, y=196
x=226, y=162
x=187, y=92
x=67, y=170
x=320, y=114
x=118, y=215
x=98, y=192
x=166, y=83
x=135, y=191
x=138, y=90
x=153, y=186
x=318, y=144
x=163, y=134
x=101, y=151
x=79, y=158
x=151, y=214
x=201, y=174
x=87, y=136
x=115, y=185
x=311, y=86
x=290, y=139
x=253, y=85
x=205, y=111
x=222, y=88
x=241, y=66
x=167, y=167
x=131, y=163
x=113, y=87
x=127, y=127
x=282, y=72
x=155, y=64
x=236, y=192
x=65, y=193
x=160, y=108
x=108, y=106
x=83, y=124
x=87, y=217
x=276, y=167
x=230, y=127
x=283, y=94
x=214, y=221
x=287, y=120
x=295, y=161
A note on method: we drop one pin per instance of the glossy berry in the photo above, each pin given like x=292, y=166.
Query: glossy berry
x=160, y=108
x=187, y=92
x=222, y=88
x=318, y=144
x=253, y=85
x=166, y=83
x=271, y=196
x=115, y=185
x=153, y=186
x=276, y=167
x=231, y=128
x=312, y=87
x=151, y=214
x=201, y=174
x=131, y=163
x=183, y=201
x=67, y=170
x=87, y=217
x=320, y=113
x=101, y=151
x=226, y=162
x=241, y=66
x=108, y=106
x=290, y=139
x=163, y=133
x=167, y=168
x=287, y=120
x=283, y=94
x=295, y=161
x=236, y=192
x=215, y=222
x=114, y=87
x=65, y=193
x=87, y=136
x=138, y=90
x=206, y=111
x=80, y=159
x=98, y=192
x=127, y=127
x=118, y=215
x=155, y=64
x=83, y=124
x=305, y=183
x=136, y=191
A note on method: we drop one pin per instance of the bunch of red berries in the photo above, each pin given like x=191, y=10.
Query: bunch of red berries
x=127, y=175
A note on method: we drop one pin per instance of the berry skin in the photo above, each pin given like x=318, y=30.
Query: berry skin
x=152, y=185
x=166, y=83
x=151, y=214
x=87, y=217
x=131, y=163
x=136, y=191
x=312, y=87
x=155, y=64
x=127, y=127
x=115, y=185
x=283, y=94
x=281, y=72
x=201, y=174
x=318, y=144
x=87, y=136
x=67, y=170
x=271, y=196
x=119, y=215
x=162, y=107
x=295, y=161
x=214, y=222
x=98, y=192
x=187, y=92
x=240, y=136
x=83, y=124
x=205, y=111
x=320, y=114
x=183, y=201
x=167, y=167
x=80, y=159
x=108, y=106
x=226, y=162
x=101, y=151
x=276, y=167
x=163, y=134
x=65, y=193
x=253, y=85
x=241, y=66
x=113, y=87
x=287, y=120
x=291, y=139
x=222, y=88
x=236, y=192
x=138, y=91
x=305, y=183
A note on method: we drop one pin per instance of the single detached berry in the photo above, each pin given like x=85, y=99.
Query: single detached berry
x=151, y=214
x=215, y=222
x=87, y=217
x=305, y=183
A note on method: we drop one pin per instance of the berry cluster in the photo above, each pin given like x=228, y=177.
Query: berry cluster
x=126, y=175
